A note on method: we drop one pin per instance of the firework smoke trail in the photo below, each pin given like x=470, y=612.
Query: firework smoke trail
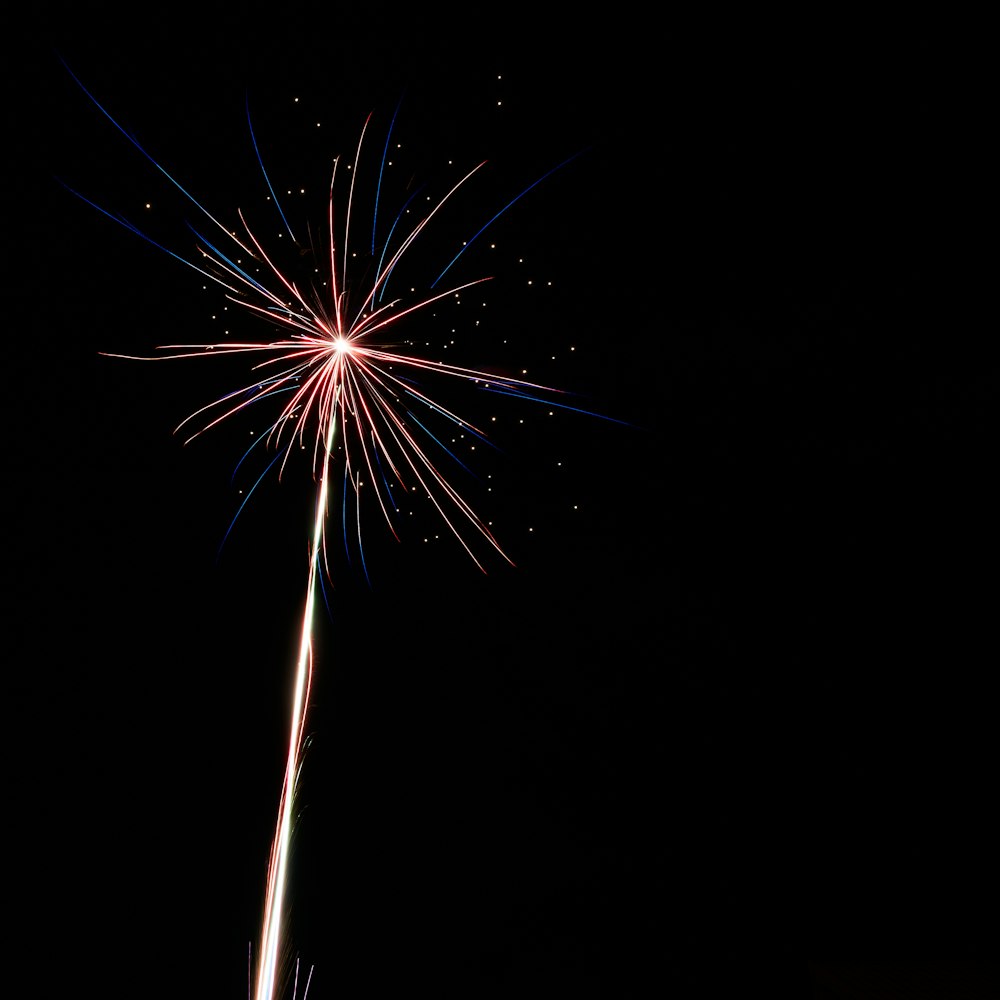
x=333, y=376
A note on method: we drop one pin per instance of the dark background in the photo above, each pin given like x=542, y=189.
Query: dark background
x=727, y=726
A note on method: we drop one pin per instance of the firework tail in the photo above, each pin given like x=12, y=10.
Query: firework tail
x=277, y=877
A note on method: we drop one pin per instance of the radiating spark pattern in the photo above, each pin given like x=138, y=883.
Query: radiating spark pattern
x=345, y=394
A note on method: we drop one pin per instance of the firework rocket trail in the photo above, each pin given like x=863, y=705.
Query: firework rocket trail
x=331, y=373
x=278, y=867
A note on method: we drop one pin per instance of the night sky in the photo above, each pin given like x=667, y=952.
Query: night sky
x=725, y=725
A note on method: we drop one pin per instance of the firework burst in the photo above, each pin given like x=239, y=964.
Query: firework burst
x=346, y=395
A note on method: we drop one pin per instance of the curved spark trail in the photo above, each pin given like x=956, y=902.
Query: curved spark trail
x=344, y=391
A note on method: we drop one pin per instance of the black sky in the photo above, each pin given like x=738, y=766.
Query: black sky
x=724, y=725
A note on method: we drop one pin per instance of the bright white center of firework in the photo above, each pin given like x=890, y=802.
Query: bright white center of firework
x=342, y=345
